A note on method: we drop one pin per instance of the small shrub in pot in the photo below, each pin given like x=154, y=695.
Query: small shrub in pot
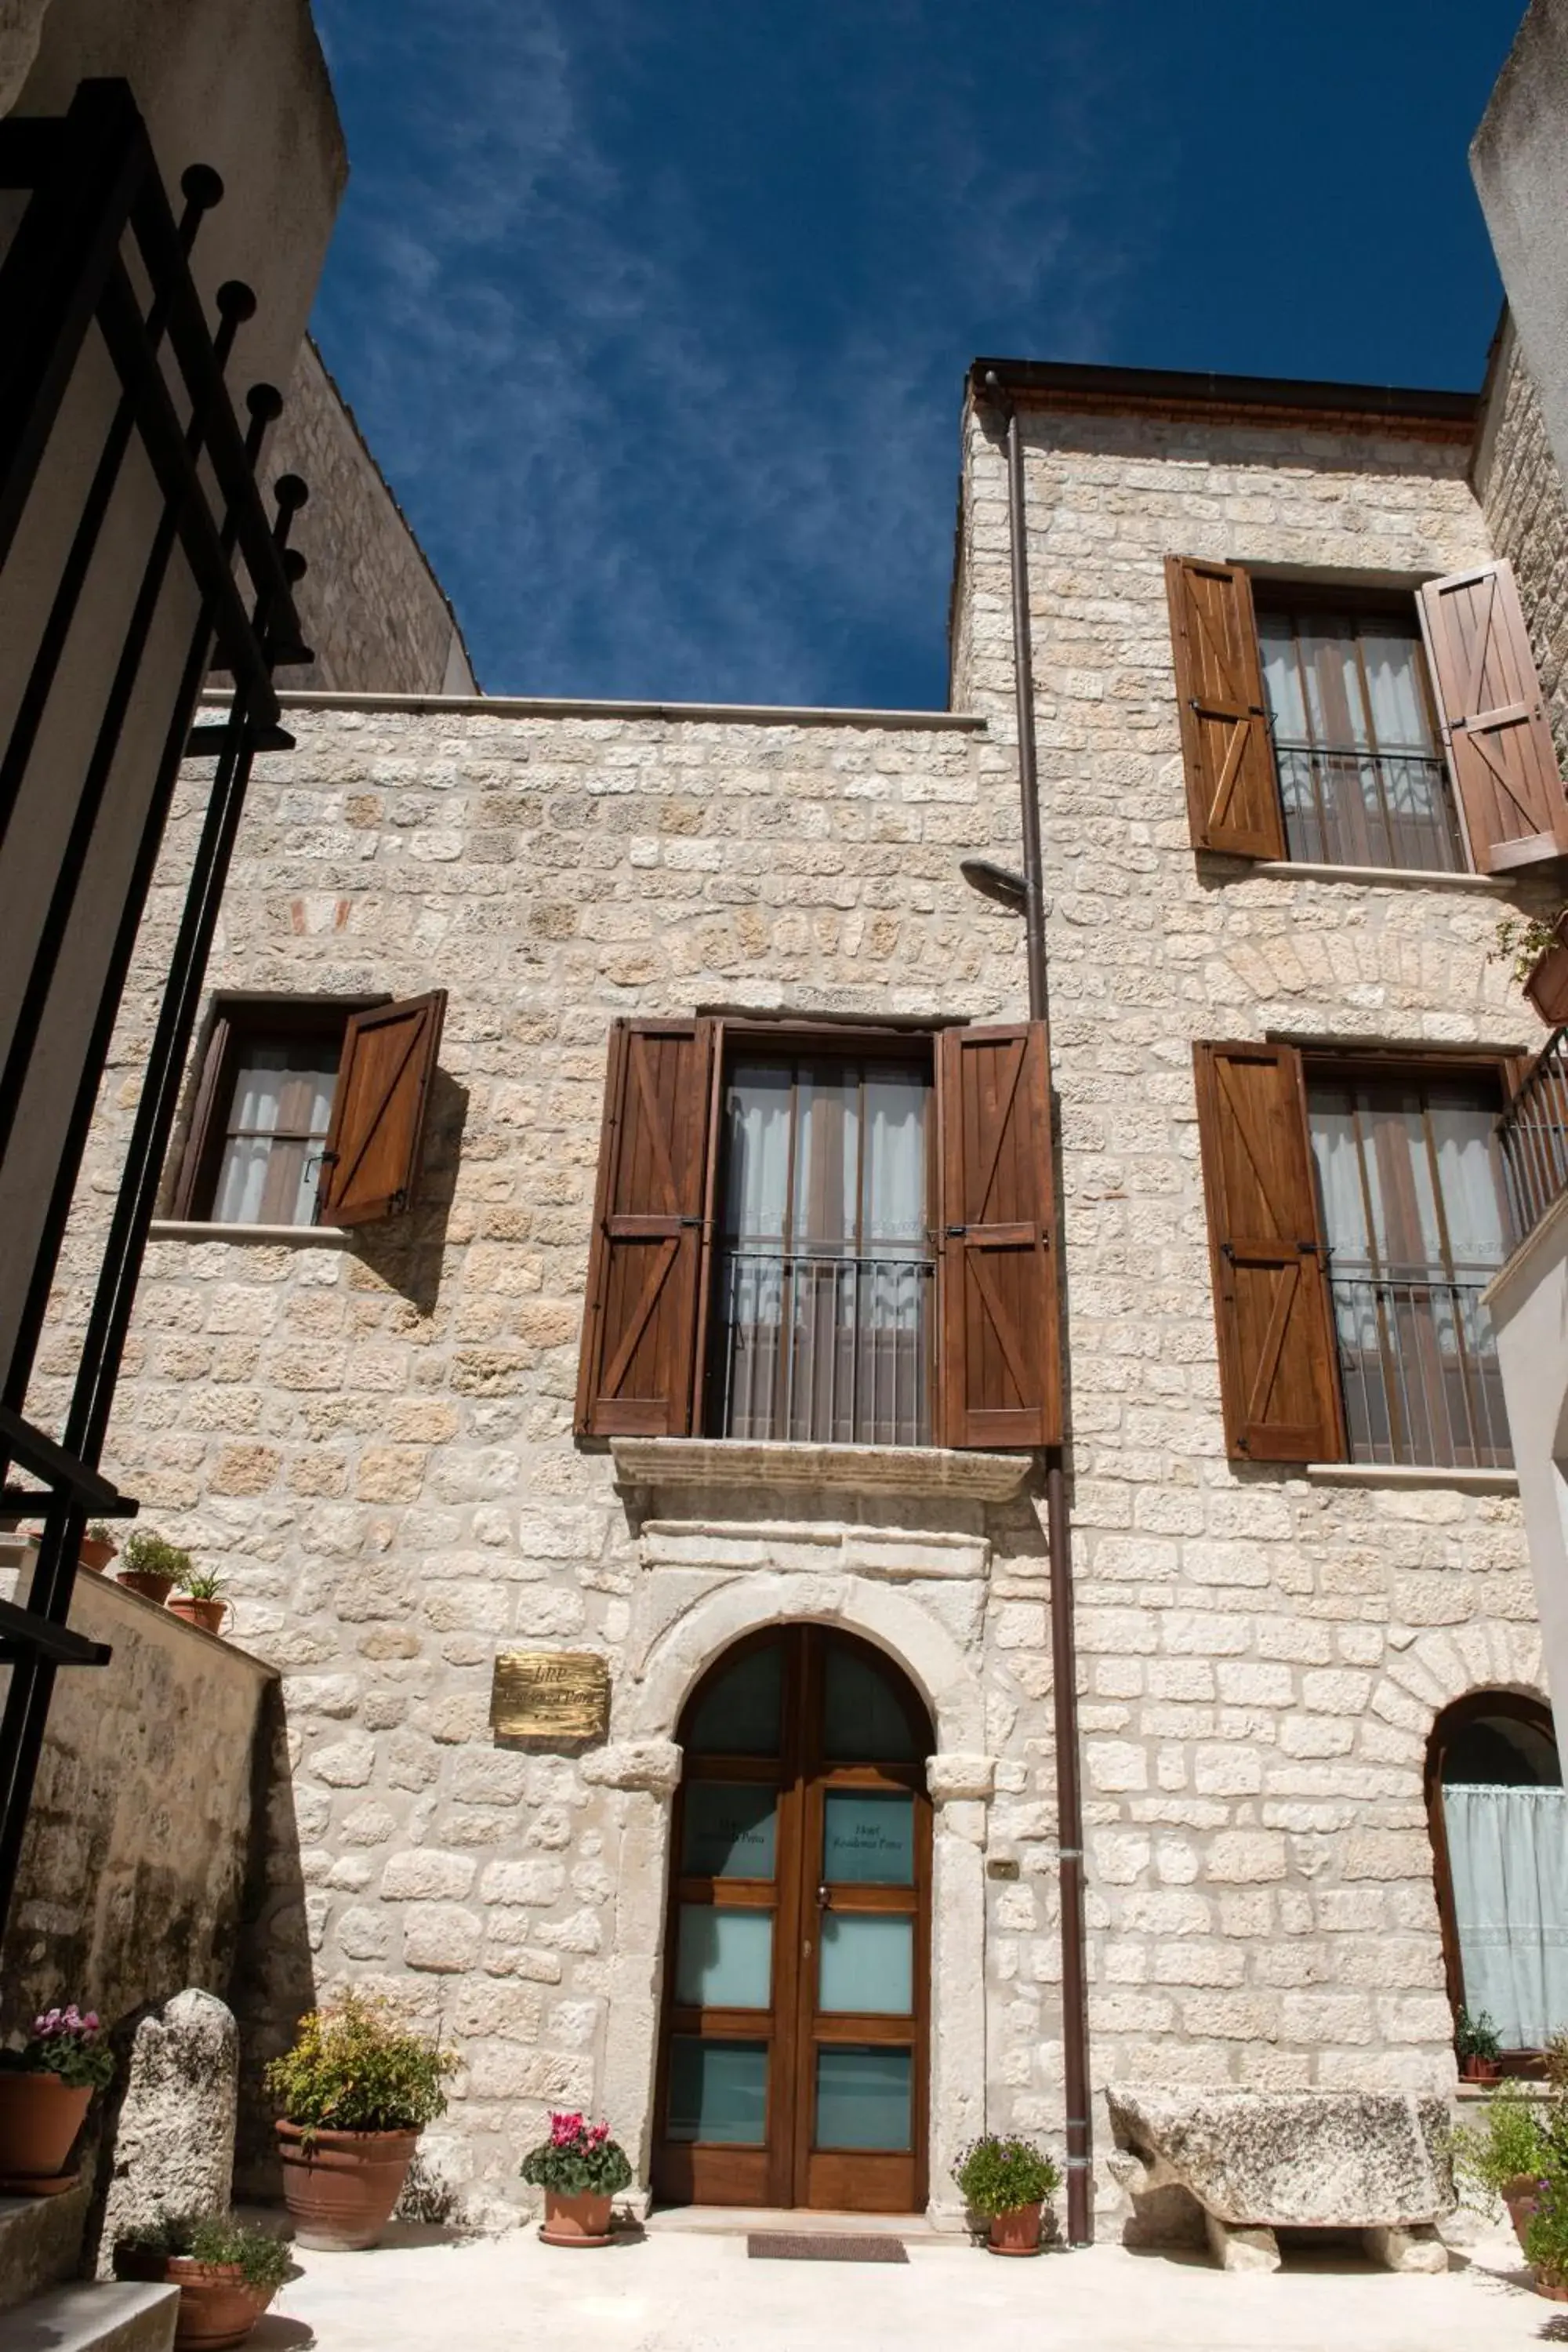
x=151, y=1565
x=354, y=2094
x=1477, y=2047
x=98, y=1547
x=1535, y=949
x=45, y=2090
x=580, y=2168
x=227, y=2272
x=1504, y=2154
x=198, y=1600
x=1007, y=2180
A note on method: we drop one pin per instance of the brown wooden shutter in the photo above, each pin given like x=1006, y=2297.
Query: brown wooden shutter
x=637, y=1371
x=1499, y=745
x=199, y=1152
x=1232, y=800
x=1001, y=1368
x=370, y=1168
x=1277, y=1368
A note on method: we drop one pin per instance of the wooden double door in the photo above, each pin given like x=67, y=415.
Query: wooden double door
x=792, y=2058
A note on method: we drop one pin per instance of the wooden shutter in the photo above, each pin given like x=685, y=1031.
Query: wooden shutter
x=1500, y=746
x=1277, y=1368
x=1232, y=800
x=637, y=1371
x=370, y=1168
x=1001, y=1368
x=199, y=1142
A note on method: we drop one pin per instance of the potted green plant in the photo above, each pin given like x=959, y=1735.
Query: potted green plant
x=1477, y=2047
x=1535, y=948
x=45, y=2089
x=1006, y=2181
x=151, y=1566
x=580, y=2168
x=227, y=2273
x=355, y=2091
x=1546, y=2235
x=1504, y=2154
x=97, y=1548
x=197, y=1600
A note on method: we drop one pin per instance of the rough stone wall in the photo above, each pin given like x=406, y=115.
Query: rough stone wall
x=373, y=1441
x=1526, y=510
x=1262, y=1651
x=373, y=612
x=133, y=1871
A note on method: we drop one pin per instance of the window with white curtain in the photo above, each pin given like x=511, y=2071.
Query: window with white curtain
x=824, y=1255
x=1362, y=779
x=1504, y=1834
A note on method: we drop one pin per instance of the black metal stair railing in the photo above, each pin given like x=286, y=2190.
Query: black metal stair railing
x=1532, y=1137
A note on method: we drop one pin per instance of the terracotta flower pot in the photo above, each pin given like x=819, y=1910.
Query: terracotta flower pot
x=39, y=2119
x=1017, y=2232
x=1479, y=2070
x=1551, y=2283
x=1521, y=2195
x=95, y=1554
x=581, y=2220
x=1547, y=986
x=208, y=1614
x=341, y=2190
x=217, y=2307
x=147, y=1583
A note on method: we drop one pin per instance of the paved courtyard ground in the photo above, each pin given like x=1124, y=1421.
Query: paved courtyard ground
x=692, y=2292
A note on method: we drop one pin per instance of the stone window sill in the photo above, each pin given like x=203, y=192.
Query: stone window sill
x=1382, y=877
x=862, y=1469
x=1412, y=1473
x=181, y=1229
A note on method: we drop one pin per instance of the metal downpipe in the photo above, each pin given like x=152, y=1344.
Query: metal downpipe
x=1058, y=1529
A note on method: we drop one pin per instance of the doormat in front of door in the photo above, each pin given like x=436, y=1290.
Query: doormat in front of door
x=789, y=2246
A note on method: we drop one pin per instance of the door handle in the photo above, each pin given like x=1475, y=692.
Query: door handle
x=823, y=1899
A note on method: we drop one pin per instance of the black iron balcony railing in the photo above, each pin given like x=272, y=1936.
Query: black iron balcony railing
x=1532, y=1137
x=822, y=1347
x=1368, y=808
x=1418, y=1370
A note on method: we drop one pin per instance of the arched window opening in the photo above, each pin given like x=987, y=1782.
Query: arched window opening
x=1499, y=1818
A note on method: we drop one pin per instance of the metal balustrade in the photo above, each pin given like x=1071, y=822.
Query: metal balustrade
x=822, y=1347
x=1419, y=1370
x=1368, y=808
x=1532, y=1137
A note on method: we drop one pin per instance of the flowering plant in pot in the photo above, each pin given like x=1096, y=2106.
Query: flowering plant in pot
x=227, y=2272
x=1505, y=2154
x=355, y=2091
x=1535, y=948
x=98, y=1547
x=1546, y=2233
x=1477, y=2047
x=1006, y=2181
x=45, y=2090
x=151, y=1565
x=197, y=1600
x=580, y=2168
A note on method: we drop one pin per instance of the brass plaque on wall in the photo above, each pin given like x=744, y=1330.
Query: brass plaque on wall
x=550, y=1695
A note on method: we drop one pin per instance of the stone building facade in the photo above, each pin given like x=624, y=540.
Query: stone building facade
x=369, y=1434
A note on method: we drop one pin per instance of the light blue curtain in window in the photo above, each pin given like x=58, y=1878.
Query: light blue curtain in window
x=1508, y=1853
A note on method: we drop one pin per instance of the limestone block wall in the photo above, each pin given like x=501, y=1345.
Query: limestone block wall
x=1262, y=1650
x=134, y=1878
x=1526, y=510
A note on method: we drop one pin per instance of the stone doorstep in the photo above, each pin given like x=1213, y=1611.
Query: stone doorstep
x=88, y=2317
x=40, y=2242
x=741, y=2220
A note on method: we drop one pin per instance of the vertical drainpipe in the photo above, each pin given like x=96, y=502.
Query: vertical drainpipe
x=1058, y=1531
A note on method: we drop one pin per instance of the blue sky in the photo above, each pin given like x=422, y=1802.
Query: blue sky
x=655, y=312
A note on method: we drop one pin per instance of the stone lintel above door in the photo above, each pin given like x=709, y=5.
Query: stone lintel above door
x=657, y=1464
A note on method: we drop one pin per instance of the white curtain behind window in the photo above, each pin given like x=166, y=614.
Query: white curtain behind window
x=1507, y=1857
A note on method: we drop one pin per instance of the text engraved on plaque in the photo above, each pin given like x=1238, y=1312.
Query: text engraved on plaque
x=550, y=1695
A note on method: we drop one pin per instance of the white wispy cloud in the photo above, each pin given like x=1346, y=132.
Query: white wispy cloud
x=635, y=469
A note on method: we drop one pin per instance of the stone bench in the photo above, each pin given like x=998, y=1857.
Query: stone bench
x=1374, y=2162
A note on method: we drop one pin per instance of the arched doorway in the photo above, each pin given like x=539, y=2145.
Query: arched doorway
x=793, y=2054
x=1498, y=1819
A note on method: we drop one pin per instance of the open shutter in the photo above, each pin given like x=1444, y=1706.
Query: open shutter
x=1499, y=745
x=639, y=1333
x=370, y=1168
x=1001, y=1369
x=1276, y=1360
x=199, y=1138
x=1232, y=800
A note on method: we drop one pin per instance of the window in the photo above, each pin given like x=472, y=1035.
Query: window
x=1355, y=1216
x=1357, y=756
x=1358, y=728
x=793, y=1241
x=309, y=1111
x=1499, y=1819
